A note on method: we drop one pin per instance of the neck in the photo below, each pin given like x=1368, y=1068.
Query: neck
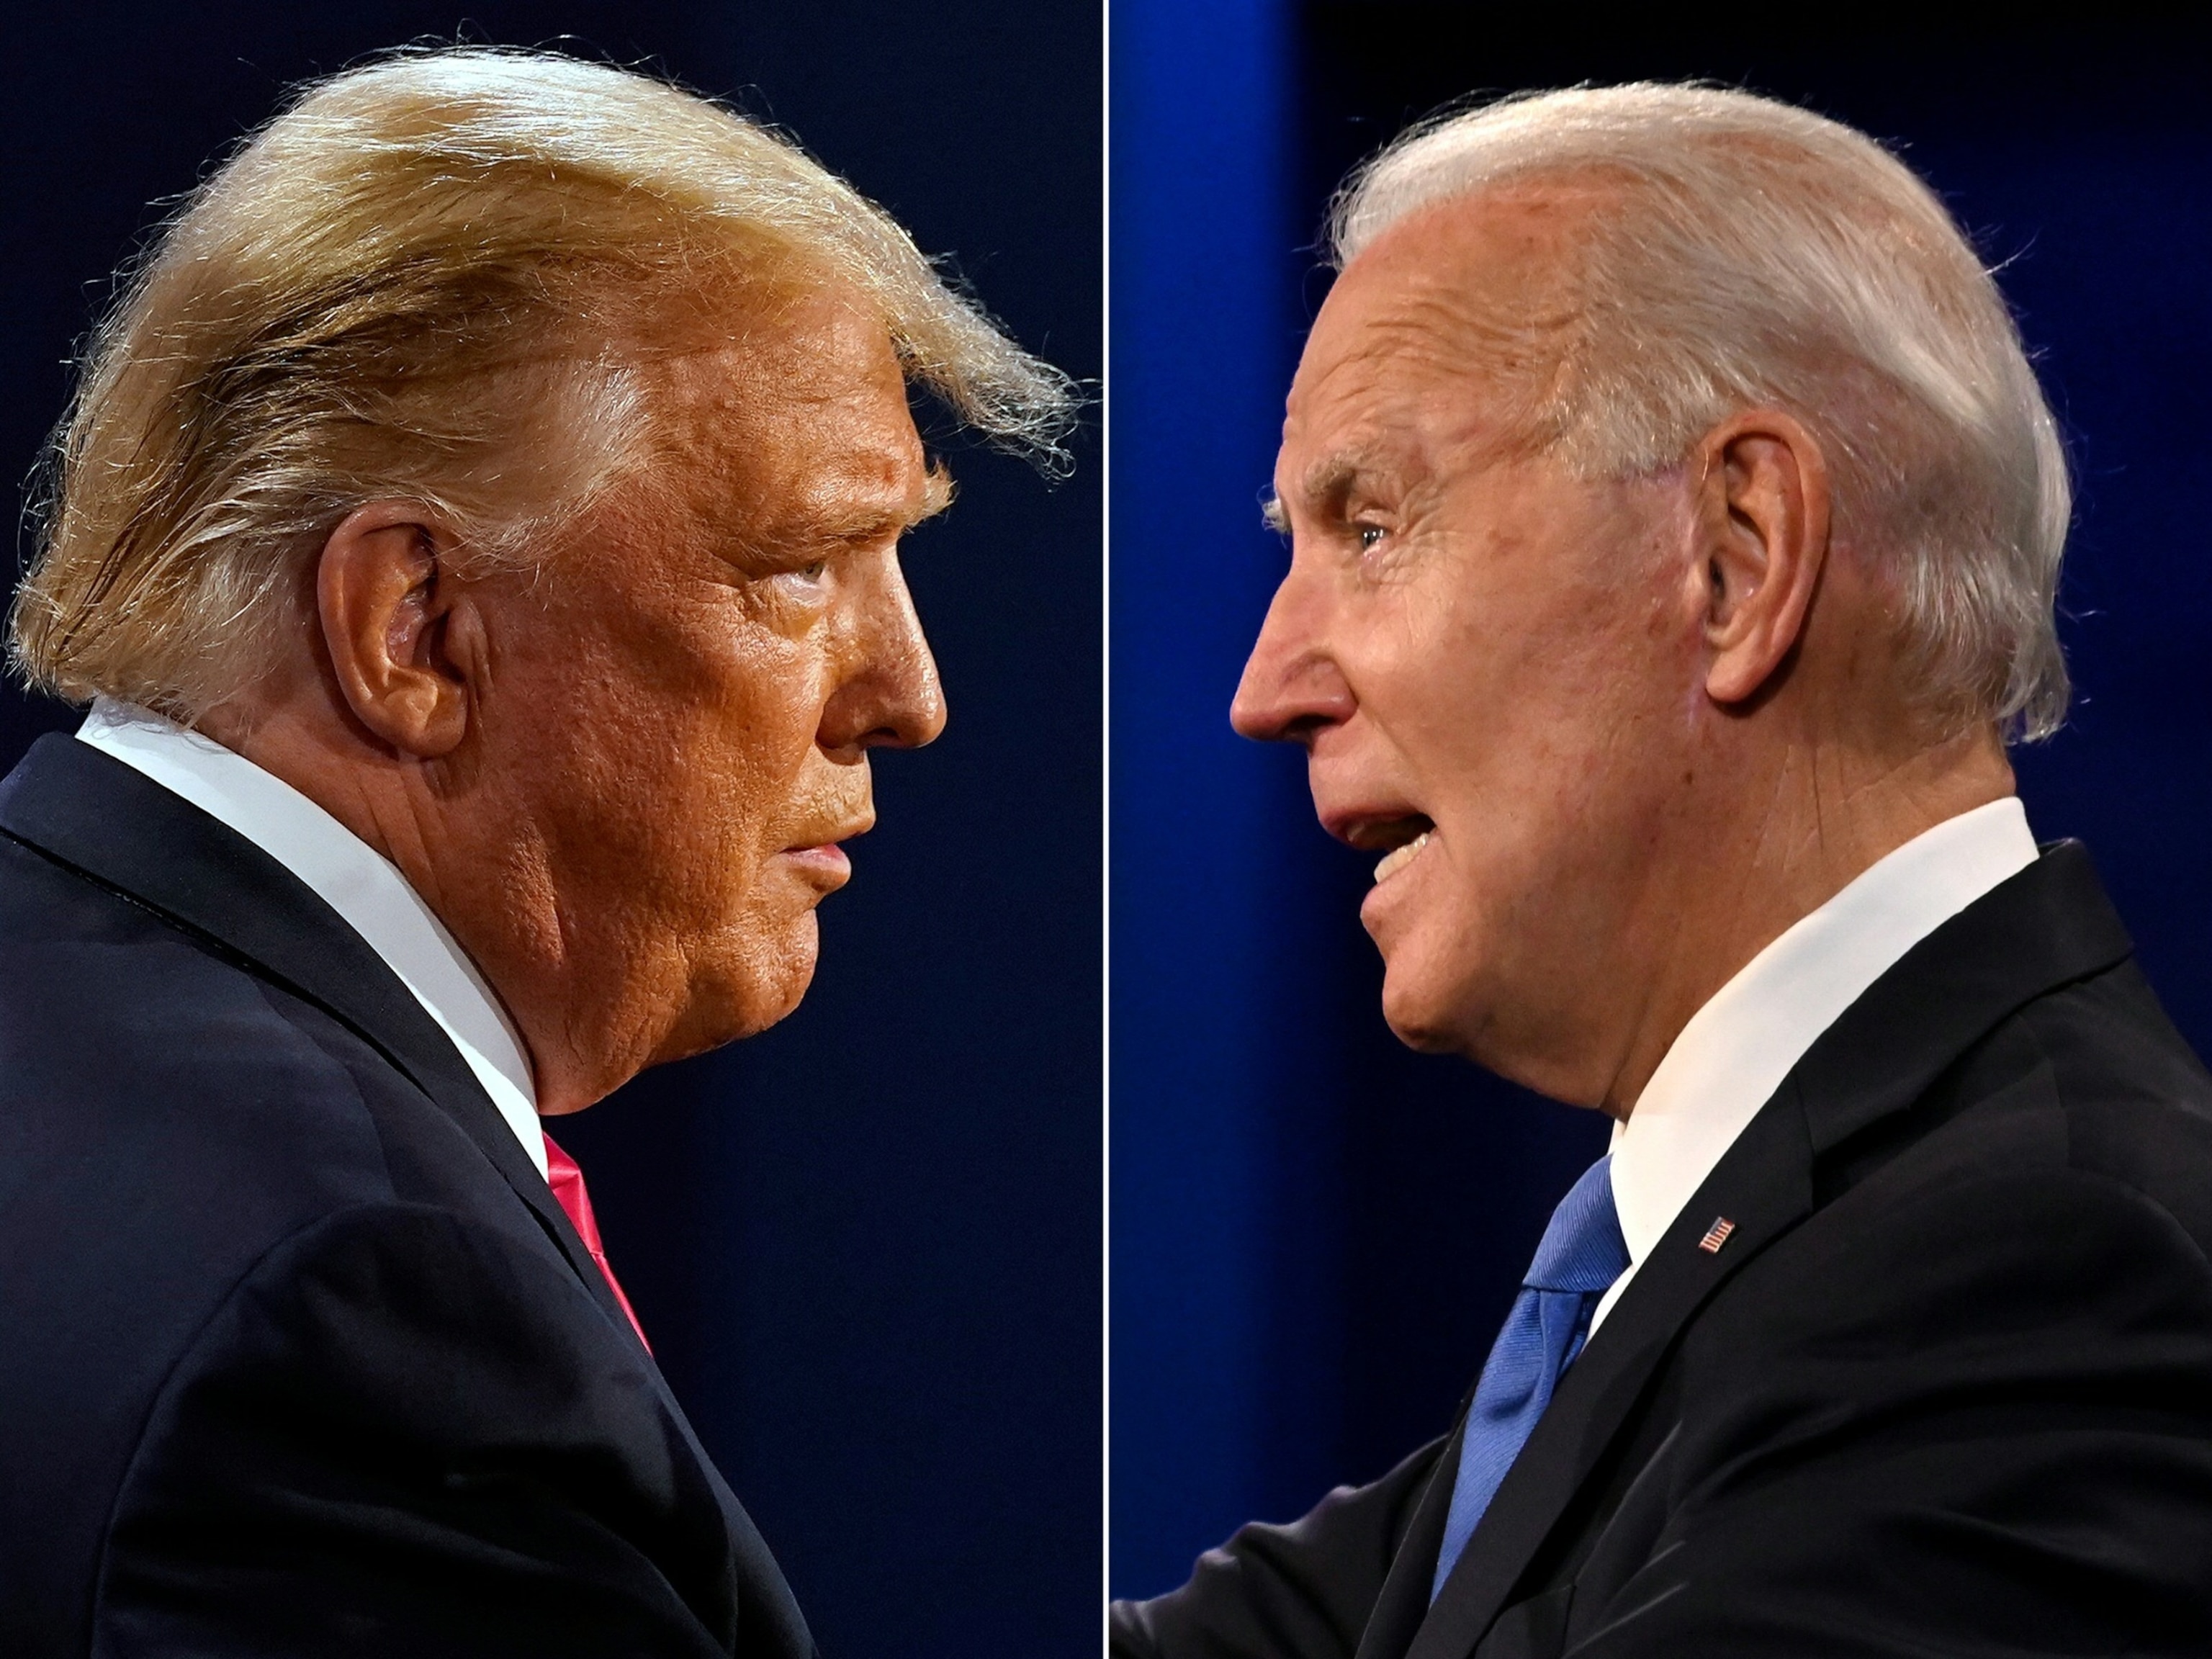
x=411, y=813
x=1787, y=837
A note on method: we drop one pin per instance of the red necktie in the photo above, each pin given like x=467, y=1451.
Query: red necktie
x=567, y=1183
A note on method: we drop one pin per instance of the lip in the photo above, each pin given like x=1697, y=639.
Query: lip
x=828, y=859
x=1383, y=905
x=1377, y=828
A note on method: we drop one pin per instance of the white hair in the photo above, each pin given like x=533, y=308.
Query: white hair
x=1745, y=252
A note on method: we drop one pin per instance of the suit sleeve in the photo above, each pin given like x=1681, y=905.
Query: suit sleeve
x=1301, y=1591
x=403, y=1434
x=1978, y=1422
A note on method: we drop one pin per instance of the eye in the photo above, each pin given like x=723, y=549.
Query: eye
x=807, y=584
x=1370, y=535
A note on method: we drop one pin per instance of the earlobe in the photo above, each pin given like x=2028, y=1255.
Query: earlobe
x=1765, y=538
x=387, y=605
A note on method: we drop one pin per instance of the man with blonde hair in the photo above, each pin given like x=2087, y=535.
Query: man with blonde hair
x=1674, y=523
x=477, y=537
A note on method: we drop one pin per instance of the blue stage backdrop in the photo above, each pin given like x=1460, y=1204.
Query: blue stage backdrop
x=867, y=1244
x=1315, y=1232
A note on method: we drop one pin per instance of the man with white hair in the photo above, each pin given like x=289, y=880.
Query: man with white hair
x=477, y=537
x=1675, y=521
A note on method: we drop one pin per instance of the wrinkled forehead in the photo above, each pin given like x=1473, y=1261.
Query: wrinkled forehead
x=794, y=415
x=1440, y=327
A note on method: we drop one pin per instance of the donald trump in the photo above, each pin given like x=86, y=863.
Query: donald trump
x=477, y=538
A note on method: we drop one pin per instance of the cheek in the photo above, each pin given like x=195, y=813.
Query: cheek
x=734, y=693
x=672, y=751
x=1546, y=747
x=1471, y=692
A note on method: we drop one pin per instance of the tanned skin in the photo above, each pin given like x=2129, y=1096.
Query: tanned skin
x=621, y=781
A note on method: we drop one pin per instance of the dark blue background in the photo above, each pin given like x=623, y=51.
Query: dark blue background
x=1314, y=1232
x=866, y=1244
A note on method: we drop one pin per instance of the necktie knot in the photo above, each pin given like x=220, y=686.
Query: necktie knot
x=567, y=1181
x=1582, y=1248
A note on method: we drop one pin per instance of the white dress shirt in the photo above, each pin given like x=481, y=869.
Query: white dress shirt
x=355, y=880
x=1737, y=1049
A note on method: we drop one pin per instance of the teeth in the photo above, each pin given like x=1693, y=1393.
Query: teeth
x=1397, y=858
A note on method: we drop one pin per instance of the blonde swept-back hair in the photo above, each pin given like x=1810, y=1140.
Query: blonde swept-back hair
x=434, y=277
x=1743, y=251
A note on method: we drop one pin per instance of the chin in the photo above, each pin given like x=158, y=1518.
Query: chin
x=755, y=985
x=1423, y=1007
x=1454, y=982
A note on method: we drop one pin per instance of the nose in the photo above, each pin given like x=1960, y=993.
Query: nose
x=1292, y=688
x=890, y=696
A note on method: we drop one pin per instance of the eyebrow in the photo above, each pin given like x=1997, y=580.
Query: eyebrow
x=937, y=493
x=1329, y=479
x=865, y=525
x=1332, y=476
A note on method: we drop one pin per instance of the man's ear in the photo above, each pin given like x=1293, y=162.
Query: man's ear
x=1764, y=520
x=404, y=646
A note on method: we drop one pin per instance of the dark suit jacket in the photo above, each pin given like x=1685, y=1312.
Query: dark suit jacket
x=298, y=1355
x=1945, y=1389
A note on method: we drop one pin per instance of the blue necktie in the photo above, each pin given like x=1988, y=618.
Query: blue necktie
x=1581, y=1255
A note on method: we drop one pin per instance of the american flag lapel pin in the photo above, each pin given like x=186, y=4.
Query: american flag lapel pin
x=1717, y=1234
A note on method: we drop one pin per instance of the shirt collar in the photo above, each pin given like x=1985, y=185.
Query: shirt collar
x=1736, y=1049
x=364, y=887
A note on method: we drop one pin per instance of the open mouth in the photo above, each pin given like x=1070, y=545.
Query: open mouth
x=1404, y=838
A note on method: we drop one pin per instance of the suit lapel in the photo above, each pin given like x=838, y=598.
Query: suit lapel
x=2045, y=927
x=108, y=822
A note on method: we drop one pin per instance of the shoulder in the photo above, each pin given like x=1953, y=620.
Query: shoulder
x=168, y=1114
x=1981, y=1360
x=2136, y=1101
x=168, y=1122
x=2055, y=1182
x=135, y=1058
x=2086, y=1096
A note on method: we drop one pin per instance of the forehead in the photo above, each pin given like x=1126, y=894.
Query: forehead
x=799, y=409
x=1426, y=333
